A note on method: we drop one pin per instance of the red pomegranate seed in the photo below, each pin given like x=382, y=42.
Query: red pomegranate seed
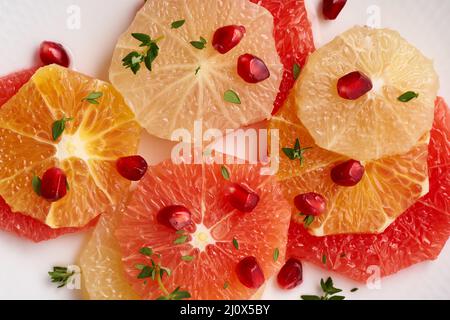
x=241, y=198
x=354, y=85
x=132, y=168
x=250, y=273
x=310, y=204
x=332, y=8
x=252, y=69
x=175, y=217
x=53, y=184
x=226, y=38
x=52, y=52
x=348, y=174
x=290, y=275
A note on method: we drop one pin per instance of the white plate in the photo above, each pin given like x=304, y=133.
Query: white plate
x=25, y=23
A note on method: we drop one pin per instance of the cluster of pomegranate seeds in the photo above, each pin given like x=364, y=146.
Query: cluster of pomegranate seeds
x=348, y=174
x=132, y=168
x=228, y=37
x=291, y=274
x=310, y=204
x=241, y=197
x=52, y=52
x=250, y=273
x=332, y=8
x=53, y=184
x=175, y=217
x=354, y=85
x=252, y=69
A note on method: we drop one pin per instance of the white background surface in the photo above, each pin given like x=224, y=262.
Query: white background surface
x=25, y=23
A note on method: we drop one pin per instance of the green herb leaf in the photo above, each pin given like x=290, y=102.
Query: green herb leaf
x=329, y=291
x=179, y=295
x=197, y=70
x=226, y=285
x=324, y=260
x=146, y=272
x=181, y=231
x=232, y=97
x=308, y=220
x=93, y=97
x=199, y=44
x=236, y=243
x=140, y=266
x=187, y=258
x=296, y=152
x=337, y=298
x=61, y=276
x=36, y=183
x=146, y=251
x=296, y=70
x=408, y=96
x=225, y=173
x=354, y=290
x=310, y=297
x=180, y=240
x=144, y=38
x=58, y=127
x=177, y=24
x=276, y=254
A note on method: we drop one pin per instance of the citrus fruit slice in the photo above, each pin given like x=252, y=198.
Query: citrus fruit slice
x=203, y=257
x=388, y=187
x=293, y=38
x=189, y=79
x=17, y=223
x=101, y=264
x=377, y=124
x=417, y=235
x=86, y=151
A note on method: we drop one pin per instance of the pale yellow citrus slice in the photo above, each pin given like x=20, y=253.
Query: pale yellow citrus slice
x=377, y=124
x=389, y=186
x=188, y=84
x=87, y=150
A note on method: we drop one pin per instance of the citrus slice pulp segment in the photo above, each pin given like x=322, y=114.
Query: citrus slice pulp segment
x=293, y=38
x=11, y=83
x=188, y=84
x=210, y=239
x=27, y=120
x=389, y=186
x=417, y=235
x=377, y=124
x=101, y=264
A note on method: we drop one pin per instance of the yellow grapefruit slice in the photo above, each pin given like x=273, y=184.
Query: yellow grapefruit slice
x=86, y=151
x=377, y=124
x=188, y=84
x=389, y=186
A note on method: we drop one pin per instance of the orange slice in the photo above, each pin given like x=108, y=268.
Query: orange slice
x=377, y=124
x=389, y=186
x=187, y=84
x=86, y=151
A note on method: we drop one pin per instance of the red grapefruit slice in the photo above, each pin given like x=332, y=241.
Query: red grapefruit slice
x=213, y=257
x=418, y=235
x=293, y=38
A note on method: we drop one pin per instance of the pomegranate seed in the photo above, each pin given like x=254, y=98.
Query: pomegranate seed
x=348, y=174
x=291, y=274
x=53, y=184
x=332, y=8
x=250, y=273
x=132, y=168
x=52, y=52
x=310, y=204
x=252, y=69
x=175, y=217
x=241, y=198
x=226, y=38
x=354, y=85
